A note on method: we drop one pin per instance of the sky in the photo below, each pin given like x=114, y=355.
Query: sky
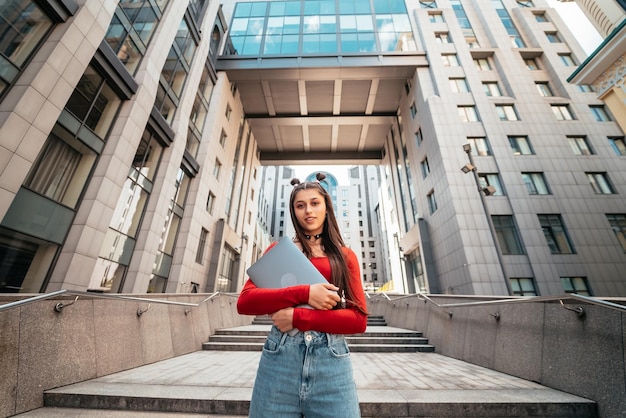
x=574, y=18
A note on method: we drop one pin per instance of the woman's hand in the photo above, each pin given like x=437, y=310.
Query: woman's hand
x=323, y=296
x=283, y=319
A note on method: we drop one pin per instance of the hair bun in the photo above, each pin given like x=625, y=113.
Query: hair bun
x=295, y=181
x=320, y=176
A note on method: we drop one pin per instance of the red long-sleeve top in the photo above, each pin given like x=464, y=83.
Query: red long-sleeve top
x=259, y=301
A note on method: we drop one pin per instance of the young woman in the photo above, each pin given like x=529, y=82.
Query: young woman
x=309, y=373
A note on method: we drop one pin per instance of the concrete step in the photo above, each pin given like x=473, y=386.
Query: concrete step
x=393, y=385
x=380, y=339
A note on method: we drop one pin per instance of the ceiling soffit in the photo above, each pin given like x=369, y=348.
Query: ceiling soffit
x=333, y=114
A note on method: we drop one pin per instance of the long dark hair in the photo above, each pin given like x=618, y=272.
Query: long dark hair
x=332, y=241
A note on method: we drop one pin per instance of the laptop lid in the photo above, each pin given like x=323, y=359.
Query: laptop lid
x=282, y=266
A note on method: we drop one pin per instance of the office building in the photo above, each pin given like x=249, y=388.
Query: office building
x=132, y=136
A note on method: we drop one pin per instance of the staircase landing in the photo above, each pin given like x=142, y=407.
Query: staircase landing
x=389, y=385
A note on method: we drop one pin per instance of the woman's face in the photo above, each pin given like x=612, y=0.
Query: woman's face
x=309, y=207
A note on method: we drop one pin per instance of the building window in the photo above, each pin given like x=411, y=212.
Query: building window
x=541, y=17
x=61, y=169
x=562, y=112
x=523, y=286
x=24, y=27
x=531, y=64
x=585, y=88
x=553, y=37
x=223, y=137
x=468, y=113
x=600, y=183
x=443, y=38
x=480, y=146
x=506, y=112
x=579, y=145
x=618, y=144
x=174, y=72
x=425, y=167
x=507, y=235
x=94, y=103
x=217, y=168
x=535, y=183
x=567, y=60
x=618, y=225
x=555, y=234
x=201, y=246
x=520, y=145
x=576, y=285
x=493, y=180
x=413, y=110
x=543, y=87
x=600, y=113
x=228, y=112
x=432, y=202
x=320, y=27
x=492, y=88
x=450, y=60
x=482, y=64
x=418, y=138
x=210, y=203
x=435, y=17
x=458, y=85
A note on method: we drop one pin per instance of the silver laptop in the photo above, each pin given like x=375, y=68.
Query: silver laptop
x=283, y=266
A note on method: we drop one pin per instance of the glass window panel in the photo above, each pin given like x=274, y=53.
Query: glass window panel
x=292, y=25
x=311, y=24
x=272, y=44
x=328, y=43
x=258, y=9
x=275, y=26
x=129, y=210
x=618, y=145
x=292, y=8
x=367, y=42
x=382, y=6
x=144, y=24
x=238, y=26
x=107, y=275
x=290, y=44
x=103, y=112
x=61, y=170
x=388, y=41
x=310, y=44
x=251, y=46
x=349, y=43
x=347, y=23
x=364, y=23
x=255, y=26
x=328, y=24
x=23, y=26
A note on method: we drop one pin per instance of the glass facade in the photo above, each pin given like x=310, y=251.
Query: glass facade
x=321, y=27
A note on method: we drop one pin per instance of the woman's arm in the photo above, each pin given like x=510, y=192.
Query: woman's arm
x=257, y=301
x=339, y=321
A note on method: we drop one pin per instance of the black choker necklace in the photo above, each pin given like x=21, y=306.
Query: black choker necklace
x=315, y=237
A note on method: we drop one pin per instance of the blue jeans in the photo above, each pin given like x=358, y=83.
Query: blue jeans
x=305, y=375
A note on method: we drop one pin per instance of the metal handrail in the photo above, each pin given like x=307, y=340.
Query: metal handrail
x=521, y=299
x=78, y=293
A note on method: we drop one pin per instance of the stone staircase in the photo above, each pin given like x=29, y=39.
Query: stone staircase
x=378, y=338
x=396, y=372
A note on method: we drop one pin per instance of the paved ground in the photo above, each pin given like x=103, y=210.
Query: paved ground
x=392, y=377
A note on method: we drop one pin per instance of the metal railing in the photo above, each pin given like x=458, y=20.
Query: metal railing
x=59, y=306
x=571, y=296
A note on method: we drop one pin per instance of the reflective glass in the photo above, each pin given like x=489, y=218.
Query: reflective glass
x=251, y=45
